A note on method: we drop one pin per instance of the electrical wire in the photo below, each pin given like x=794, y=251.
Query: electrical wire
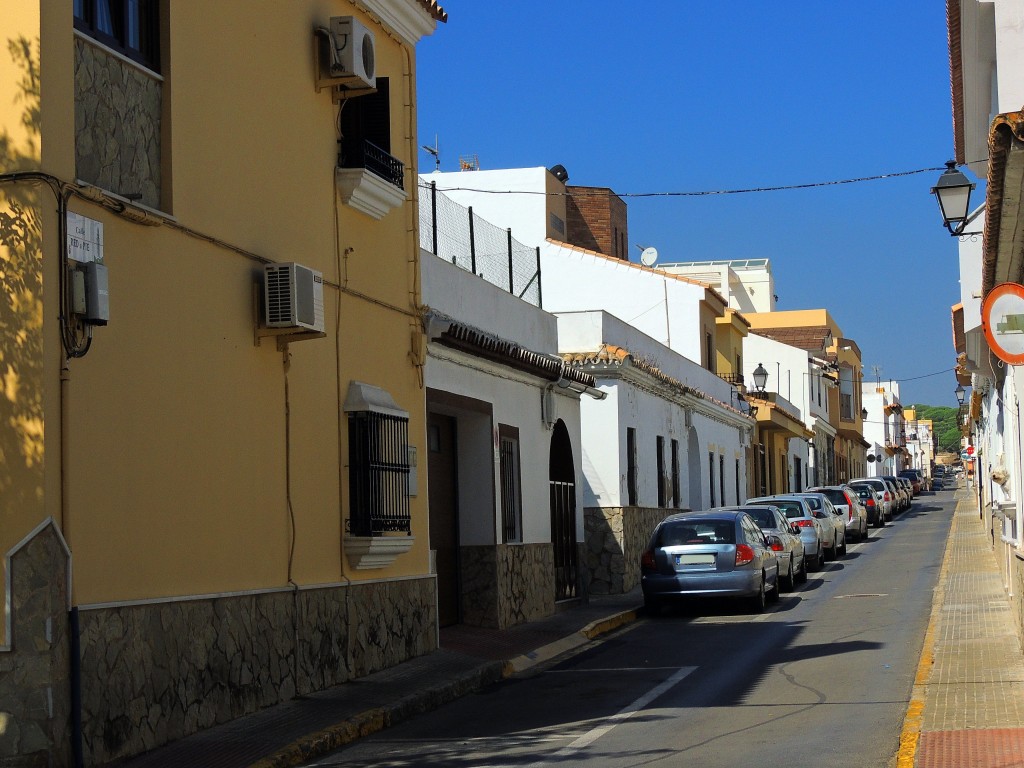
x=702, y=193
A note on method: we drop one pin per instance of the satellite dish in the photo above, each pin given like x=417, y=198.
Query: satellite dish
x=649, y=257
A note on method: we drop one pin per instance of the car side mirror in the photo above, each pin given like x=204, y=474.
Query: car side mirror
x=795, y=529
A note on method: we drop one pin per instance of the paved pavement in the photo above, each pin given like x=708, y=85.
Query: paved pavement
x=470, y=658
x=967, y=707
x=966, y=710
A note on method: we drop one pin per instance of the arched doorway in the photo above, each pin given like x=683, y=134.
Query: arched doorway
x=562, y=481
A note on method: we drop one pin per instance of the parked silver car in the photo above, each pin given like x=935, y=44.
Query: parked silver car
x=821, y=505
x=902, y=497
x=887, y=494
x=847, y=503
x=718, y=553
x=784, y=539
x=813, y=528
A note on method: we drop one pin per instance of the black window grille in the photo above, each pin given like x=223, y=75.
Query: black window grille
x=660, y=448
x=631, y=468
x=130, y=27
x=675, y=473
x=511, y=496
x=378, y=446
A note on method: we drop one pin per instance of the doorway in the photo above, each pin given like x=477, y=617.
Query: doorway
x=442, y=481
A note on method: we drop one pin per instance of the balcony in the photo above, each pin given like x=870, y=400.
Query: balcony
x=371, y=180
x=732, y=378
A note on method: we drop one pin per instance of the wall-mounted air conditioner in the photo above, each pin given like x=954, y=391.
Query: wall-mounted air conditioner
x=293, y=297
x=350, y=54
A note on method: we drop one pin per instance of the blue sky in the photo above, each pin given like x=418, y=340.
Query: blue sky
x=681, y=96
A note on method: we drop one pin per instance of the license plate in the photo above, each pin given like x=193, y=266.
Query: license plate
x=695, y=559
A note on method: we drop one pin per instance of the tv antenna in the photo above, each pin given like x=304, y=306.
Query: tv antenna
x=877, y=370
x=435, y=151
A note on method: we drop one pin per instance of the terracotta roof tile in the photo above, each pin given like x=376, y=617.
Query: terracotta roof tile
x=436, y=11
x=611, y=355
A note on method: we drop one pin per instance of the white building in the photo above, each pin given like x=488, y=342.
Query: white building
x=986, y=45
x=747, y=284
x=885, y=428
x=504, y=452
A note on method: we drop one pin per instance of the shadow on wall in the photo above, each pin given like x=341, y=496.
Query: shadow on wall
x=615, y=539
x=21, y=313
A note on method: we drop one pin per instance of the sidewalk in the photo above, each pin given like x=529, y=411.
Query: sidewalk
x=967, y=708
x=470, y=658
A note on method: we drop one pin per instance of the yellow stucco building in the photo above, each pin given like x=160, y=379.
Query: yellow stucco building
x=846, y=457
x=209, y=457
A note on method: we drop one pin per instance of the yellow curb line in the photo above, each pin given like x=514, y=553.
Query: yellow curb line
x=911, y=733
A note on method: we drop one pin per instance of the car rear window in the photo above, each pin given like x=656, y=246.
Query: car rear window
x=814, y=502
x=762, y=516
x=790, y=508
x=697, y=532
x=834, y=495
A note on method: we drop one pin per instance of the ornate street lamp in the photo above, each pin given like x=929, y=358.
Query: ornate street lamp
x=760, y=378
x=960, y=392
x=953, y=193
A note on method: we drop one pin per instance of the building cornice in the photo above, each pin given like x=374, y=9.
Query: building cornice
x=409, y=19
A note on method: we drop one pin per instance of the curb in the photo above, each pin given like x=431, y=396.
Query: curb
x=910, y=734
x=366, y=723
x=592, y=631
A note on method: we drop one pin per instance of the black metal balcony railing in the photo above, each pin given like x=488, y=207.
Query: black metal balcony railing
x=732, y=378
x=369, y=156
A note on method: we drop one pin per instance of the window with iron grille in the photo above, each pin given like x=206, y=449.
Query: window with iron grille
x=675, y=473
x=631, y=468
x=711, y=477
x=660, y=448
x=378, y=449
x=511, y=488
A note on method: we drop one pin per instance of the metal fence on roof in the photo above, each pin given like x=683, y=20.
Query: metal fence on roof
x=458, y=235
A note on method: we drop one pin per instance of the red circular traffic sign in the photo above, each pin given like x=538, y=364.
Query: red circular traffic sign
x=1002, y=320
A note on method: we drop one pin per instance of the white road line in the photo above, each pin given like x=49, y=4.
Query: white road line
x=619, y=717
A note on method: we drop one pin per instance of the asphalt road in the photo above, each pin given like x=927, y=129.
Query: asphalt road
x=823, y=678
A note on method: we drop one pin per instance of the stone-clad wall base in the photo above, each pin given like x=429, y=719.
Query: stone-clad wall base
x=615, y=540
x=117, y=125
x=507, y=584
x=526, y=582
x=478, y=586
x=35, y=672
x=157, y=672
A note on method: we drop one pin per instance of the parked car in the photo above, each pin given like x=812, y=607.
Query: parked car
x=916, y=478
x=821, y=504
x=847, y=503
x=871, y=498
x=784, y=539
x=718, y=553
x=813, y=528
x=902, y=500
x=908, y=487
x=885, y=491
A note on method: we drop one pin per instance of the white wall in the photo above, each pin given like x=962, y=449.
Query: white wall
x=664, y=308
x=716, y=428
x=515, y=198
x=474, y=301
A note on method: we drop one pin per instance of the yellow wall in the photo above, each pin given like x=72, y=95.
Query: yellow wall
x=730, y=331
x=176, y=439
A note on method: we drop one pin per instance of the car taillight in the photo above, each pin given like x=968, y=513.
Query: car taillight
x=870, y=502
x=776, y=545
x=887, y=496
x=744, y=554
x=849, y=504
x=647, y=562
x=804, y=523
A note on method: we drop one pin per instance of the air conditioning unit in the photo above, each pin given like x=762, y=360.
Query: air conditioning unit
x=293, y=297
x=351, y=52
